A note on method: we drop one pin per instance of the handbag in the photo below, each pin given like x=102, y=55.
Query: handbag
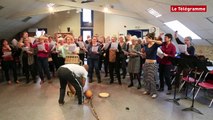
x=112, y=55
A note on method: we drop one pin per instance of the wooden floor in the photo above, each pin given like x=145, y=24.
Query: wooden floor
x=40, y=102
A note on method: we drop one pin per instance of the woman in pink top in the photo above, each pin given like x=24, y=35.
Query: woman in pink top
x=43, y=53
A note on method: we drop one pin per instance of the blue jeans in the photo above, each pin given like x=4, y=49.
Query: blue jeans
x=43, y=66
x=93, y=63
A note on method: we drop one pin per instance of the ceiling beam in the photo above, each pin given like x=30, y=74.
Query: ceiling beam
x=39, y=12
x=211, y=43
x=92, y=7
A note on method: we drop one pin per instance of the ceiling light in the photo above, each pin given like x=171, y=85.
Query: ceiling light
x=50, y=4
x=51, y=7
x=78, y=10
x=183, y=31
x=154, y=12
x=106, y=9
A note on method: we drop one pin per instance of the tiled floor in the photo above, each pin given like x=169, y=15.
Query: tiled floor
x=39, y=102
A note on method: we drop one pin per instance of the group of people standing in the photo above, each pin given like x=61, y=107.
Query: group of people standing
x=127, y=53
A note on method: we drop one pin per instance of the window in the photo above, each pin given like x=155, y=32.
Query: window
x=87, y=15
x=86, y=32
x=183, y=31
x=140, y=33
x=86, y=18
x=41, y=31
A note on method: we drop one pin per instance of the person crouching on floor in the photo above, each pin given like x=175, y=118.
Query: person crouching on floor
x=76, y=76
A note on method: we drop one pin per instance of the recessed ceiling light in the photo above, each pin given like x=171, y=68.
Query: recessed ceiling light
x=154, y=12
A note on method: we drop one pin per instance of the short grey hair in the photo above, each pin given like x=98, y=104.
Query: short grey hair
x=190, y=38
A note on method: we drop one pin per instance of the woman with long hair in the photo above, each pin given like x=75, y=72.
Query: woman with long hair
x=150, y=66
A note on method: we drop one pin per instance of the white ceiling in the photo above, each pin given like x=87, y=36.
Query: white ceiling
x=13, y=13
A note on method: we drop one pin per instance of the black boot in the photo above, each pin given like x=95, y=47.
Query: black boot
x=61, y=97
x=139, y=81
x=111, y=81
x=124, y=74
x=119, y=81
x=28, y=81
x=131, y=79
x=131, y=84
x=139, y=85
x=90, y=80
x=99, y=78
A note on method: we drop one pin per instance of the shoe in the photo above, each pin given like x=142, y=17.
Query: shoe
x=90, y=80
x=119, y=83
x=53, y=75
x=146, y=93
x=17, y=81
x=154, y=96
x=80, y=102
x=111, y=81
x=61, y=103
x=50, y=81
x=42, y=81
x=70, y=94
x=9, y=82
x=130, y=85
x=161, y=90
x=99, y=80
x=157, y=85
x=169, y=92
x=139, y=87
x=27, y=82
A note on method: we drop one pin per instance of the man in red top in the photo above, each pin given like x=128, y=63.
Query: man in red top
x=165, y=65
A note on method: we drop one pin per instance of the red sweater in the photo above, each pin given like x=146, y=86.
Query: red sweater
x=8, y=57
x=42, y=53
x=170, y=50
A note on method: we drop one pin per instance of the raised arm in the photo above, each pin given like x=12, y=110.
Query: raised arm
x=177, y=39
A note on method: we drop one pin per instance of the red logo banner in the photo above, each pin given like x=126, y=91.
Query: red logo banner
x=188, y=8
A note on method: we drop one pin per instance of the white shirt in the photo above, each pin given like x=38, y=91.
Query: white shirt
x=114, y=45
x=77, y=69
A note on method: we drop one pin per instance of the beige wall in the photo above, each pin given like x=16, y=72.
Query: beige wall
x=207, y=51
x=98, y=23
x=59, y=22
x=114, y=25
x=104, y=24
